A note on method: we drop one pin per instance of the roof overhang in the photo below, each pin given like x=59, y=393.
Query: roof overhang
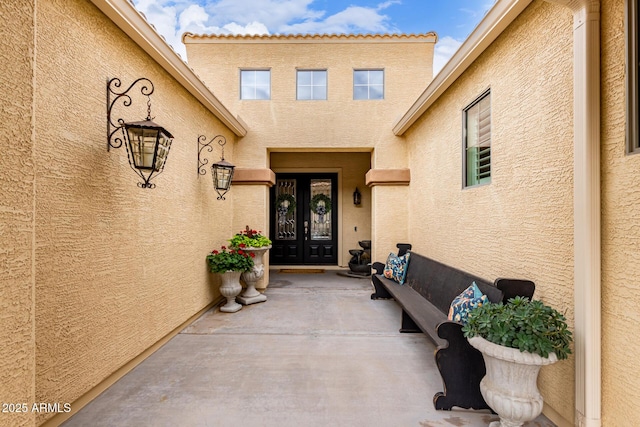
x=503, y=13
x=135, y=25
x=190, y=38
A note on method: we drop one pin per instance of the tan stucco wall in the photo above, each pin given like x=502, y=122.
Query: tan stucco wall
x=390, y=220
x=250, y=204
x=17, y=225
x=620, y=234
x=95, y=270
x=520, y=225
x=117, y=267
x=336, y=124
x=351, y=169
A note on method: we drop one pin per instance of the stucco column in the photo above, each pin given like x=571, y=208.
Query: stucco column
x=251, y=206
x=587, y=253
x=389, y=215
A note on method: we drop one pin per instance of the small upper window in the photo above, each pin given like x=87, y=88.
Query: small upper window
x=477, y=141
x=312, y=84
x=255, y=84
x=368, y=84
x=633, y=73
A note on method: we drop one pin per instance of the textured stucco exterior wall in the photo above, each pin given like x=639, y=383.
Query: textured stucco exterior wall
x=250, y=203
x=95, y=270
x=117, y=267
x=17, y=227
x=338, y=122
x=520, y=225
x=352, y=168
x=620, y=233
x=390, y=220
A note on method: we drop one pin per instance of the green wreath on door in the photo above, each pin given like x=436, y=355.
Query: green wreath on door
x=315, y=204
x=285, y=197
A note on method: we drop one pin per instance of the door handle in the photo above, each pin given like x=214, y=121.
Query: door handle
x=306, y=230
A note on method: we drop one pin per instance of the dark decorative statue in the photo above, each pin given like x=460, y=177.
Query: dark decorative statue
x=360, y=262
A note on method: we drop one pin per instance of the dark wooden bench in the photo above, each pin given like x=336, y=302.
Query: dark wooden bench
x=425, y=299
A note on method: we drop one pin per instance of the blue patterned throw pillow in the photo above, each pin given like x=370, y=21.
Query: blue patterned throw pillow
x=396, y=267
x=469, y=299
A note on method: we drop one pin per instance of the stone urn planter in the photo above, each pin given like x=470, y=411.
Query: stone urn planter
x=230, y=288
x=510, y=385
x=251, y=295
x=516, y=338
x=229, y=264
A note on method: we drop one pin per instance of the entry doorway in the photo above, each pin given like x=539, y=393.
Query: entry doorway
x=304, y=219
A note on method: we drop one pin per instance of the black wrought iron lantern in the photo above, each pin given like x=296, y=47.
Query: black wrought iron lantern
x=222, y=171
x=357, y=197
x=147, y=142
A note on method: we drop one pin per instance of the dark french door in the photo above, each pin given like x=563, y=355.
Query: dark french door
x=304, y=213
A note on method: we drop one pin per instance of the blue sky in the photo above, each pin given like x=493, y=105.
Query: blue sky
x=452, y=20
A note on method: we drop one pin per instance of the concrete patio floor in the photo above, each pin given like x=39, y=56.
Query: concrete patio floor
x=319, y=352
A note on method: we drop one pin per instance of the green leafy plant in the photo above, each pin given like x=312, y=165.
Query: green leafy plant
x=229, y=260
x=249, y=238
x=523, y=324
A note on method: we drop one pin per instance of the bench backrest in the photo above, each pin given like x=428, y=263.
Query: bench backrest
x=440, y=284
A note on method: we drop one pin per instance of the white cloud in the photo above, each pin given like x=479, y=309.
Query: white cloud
x=252, y=28
x=194, y=19
x=444, y=50
x=388, y=3
x=352, y=19
x=193, y=15
x=172, y=18
x=165, y=20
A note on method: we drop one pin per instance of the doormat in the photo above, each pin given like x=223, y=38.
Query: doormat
x=302, y=271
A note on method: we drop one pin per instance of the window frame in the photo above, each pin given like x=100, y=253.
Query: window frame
x=632, y=75
x=368, y=85
x=465, y=147
x=326, y=84
x=255, y=86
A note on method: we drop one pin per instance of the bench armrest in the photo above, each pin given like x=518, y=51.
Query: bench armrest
x=403, y=248
x=461, y=367
x=378, y=267
x=512, y=288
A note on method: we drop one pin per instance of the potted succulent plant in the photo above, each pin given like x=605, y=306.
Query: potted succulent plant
x=516, y=339
x=253, y=242
x=230, y=264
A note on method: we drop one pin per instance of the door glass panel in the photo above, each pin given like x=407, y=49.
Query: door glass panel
x=321, y=227
x=286, y=206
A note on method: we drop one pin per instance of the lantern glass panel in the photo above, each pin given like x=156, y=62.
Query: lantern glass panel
x=143, y=143
x=164, y=143
x=221, y=177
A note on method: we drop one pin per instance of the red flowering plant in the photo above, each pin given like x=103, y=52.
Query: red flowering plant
x=249, y=238
x=229, y=260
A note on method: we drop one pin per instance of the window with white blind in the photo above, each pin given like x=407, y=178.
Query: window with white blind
x=477, y=141
x=633, y=73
